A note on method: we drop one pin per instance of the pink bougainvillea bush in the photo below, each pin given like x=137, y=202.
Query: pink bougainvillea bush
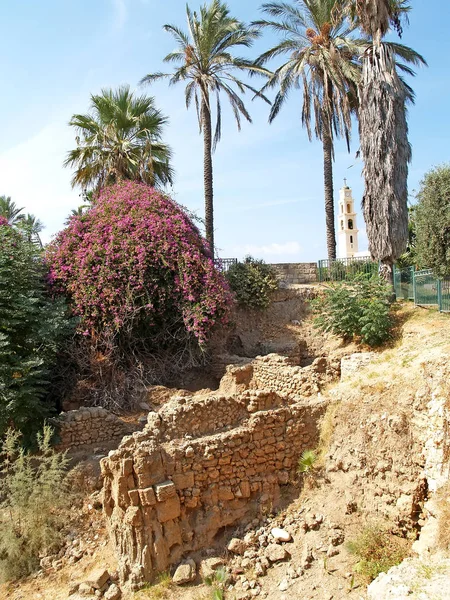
x=136, y=267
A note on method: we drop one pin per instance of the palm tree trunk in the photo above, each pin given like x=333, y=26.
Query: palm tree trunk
x=329, y=194
x=208, y=174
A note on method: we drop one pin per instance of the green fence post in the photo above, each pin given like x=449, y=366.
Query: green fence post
x=320, y=271
x=439, y=294
x=414, y=287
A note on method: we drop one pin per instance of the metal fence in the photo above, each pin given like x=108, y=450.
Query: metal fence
x=345, y=269
x=223, y=264
x=422, y=287
x=404, y=283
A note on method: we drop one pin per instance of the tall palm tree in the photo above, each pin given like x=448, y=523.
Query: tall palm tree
x=10, y=211
x=323, y=61
x=206, y=64
x=383, y=128
x=121, y=138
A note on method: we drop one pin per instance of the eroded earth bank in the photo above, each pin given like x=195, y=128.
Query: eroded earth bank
x=206, y=485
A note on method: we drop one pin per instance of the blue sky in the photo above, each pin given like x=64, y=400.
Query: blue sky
x=268, y=178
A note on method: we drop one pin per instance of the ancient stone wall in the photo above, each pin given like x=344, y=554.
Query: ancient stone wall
x=296, y=273
x=274, y=373
x=92, y=425
x=199, y=466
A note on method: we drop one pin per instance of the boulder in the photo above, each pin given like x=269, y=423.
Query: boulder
x=185, y=572
x=237, y=546
x=97, y=578
x=113, y=593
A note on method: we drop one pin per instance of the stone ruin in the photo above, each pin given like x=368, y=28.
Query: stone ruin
x=205, y=463
x=85, y=426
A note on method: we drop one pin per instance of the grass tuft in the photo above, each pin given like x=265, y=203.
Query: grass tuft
x=377, y=550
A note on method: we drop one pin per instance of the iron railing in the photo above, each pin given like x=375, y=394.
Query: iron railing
x=345, y=269
x=404, y=283
x=223, y=264
x=422, y=287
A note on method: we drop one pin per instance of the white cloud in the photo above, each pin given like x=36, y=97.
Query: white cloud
x=269, y=250
x=33, y=175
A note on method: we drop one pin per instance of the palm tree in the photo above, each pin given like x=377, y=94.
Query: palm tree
x=31, y=226
x=10, y=211
x=206, y=64
x=384, y=130
x=323, y=61
x=121, y=138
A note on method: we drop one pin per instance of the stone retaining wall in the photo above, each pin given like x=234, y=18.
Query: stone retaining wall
x=168, y=492
x=296, y=273
x=92, y=425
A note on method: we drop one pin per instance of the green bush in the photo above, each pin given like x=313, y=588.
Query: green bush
x=253, y=282
x=33, y=496
x=377, y=550
x=32, y=329
x=358, y=308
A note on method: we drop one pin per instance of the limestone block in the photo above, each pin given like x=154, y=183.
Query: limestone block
x=147, y=496
x=134, y=497
x=165, y=490
x=183, y=481
x=97, y=578
x=172, y=533
x=168, y=510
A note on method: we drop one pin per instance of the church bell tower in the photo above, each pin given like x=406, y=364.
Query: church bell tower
x=347, y=230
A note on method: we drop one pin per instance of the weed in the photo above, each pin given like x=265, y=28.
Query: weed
x=377, y=550
x=307, y=462
x=217, y=581
x=34, y=500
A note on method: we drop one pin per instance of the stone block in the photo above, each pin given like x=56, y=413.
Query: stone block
x=168, y=510
x=97, y=578
x=183, y=481
x=172, y=533
x=165, y=490
x=147, y=496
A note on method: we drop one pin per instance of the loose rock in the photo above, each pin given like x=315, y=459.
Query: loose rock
x=275, y=553
x=281, y=535
x=185, y=573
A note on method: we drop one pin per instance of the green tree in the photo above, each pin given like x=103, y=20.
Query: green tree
x=10, y=211
x=121, y=138
x=323, y=61
x=432, y=216
x=31, y=226
x=383, y=128
x=31, y=330
x=206, y=63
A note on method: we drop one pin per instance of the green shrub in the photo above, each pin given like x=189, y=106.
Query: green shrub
x=33, y=496
x=358, y=308
x=307, y=461
x=32, y=329
x=253, y=282
x=377, y=550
